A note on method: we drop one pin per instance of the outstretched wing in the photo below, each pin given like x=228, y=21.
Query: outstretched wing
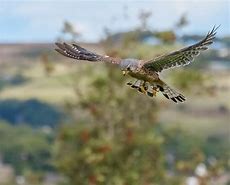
x=77, y=52
x=181, y=57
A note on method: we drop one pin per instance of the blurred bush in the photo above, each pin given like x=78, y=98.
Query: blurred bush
x=8, y=80
x=88, y=155
x=32, y=112
x=166, y=36
x=25, y=148
x=112, y=140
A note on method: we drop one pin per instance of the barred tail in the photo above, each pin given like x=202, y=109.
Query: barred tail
x=76, y=52
x=170, y=93
x=152, y=89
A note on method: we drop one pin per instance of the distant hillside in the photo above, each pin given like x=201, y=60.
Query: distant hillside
x=25, y=52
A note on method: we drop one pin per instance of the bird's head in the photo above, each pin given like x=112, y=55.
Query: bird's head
x=129, y=65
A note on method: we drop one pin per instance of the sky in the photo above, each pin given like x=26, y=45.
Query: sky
x=23, y=21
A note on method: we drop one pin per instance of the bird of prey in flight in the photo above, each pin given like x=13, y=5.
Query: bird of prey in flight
x=146, y=72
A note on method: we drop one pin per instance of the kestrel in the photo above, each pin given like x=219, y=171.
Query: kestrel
x=146, y=72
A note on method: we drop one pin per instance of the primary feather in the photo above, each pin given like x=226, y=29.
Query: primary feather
x=181, y=57
x=77, y=52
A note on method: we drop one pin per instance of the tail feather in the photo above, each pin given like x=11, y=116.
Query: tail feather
x=170, y=93
x=152, y=89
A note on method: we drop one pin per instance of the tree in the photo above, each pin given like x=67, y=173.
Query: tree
x=70, y=31
x=24, y=148
x=113, y=140
x=144, y=16
x=182, y=22
x=48, y=66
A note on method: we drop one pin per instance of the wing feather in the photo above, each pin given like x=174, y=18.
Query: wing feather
x=181, y=57
x=77, y=52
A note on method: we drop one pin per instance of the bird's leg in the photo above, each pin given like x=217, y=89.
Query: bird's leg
x=149, y=91
x=146, y=86
x=143, y=87
x=134, y=85
x=155, y=89
x=152, y=90
x=130, y=83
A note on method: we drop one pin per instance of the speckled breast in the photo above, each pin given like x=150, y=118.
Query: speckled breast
x=142, y=75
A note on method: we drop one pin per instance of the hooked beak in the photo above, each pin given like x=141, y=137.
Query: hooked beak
x=124, y=72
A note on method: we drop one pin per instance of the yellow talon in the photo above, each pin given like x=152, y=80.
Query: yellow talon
x=124, y=72
x=154, y=93
x=155, y=90
x=142, y=89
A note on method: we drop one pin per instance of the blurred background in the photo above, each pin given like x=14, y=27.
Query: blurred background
x=75, y=123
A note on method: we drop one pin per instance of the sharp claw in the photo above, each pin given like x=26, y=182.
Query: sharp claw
x=129, y=83
x=133, y=86
x=142, y=89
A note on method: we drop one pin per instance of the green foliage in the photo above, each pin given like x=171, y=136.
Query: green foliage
x=166, y=36
x=87, y=154
x=217, y=146
x=189, y=150
x=14, y=80
x=226, y=40
x=24, y=148
x=131, y=38
x=31, y=111
x=113, y=140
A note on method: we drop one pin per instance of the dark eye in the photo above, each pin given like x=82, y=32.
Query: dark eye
x=128, y=68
